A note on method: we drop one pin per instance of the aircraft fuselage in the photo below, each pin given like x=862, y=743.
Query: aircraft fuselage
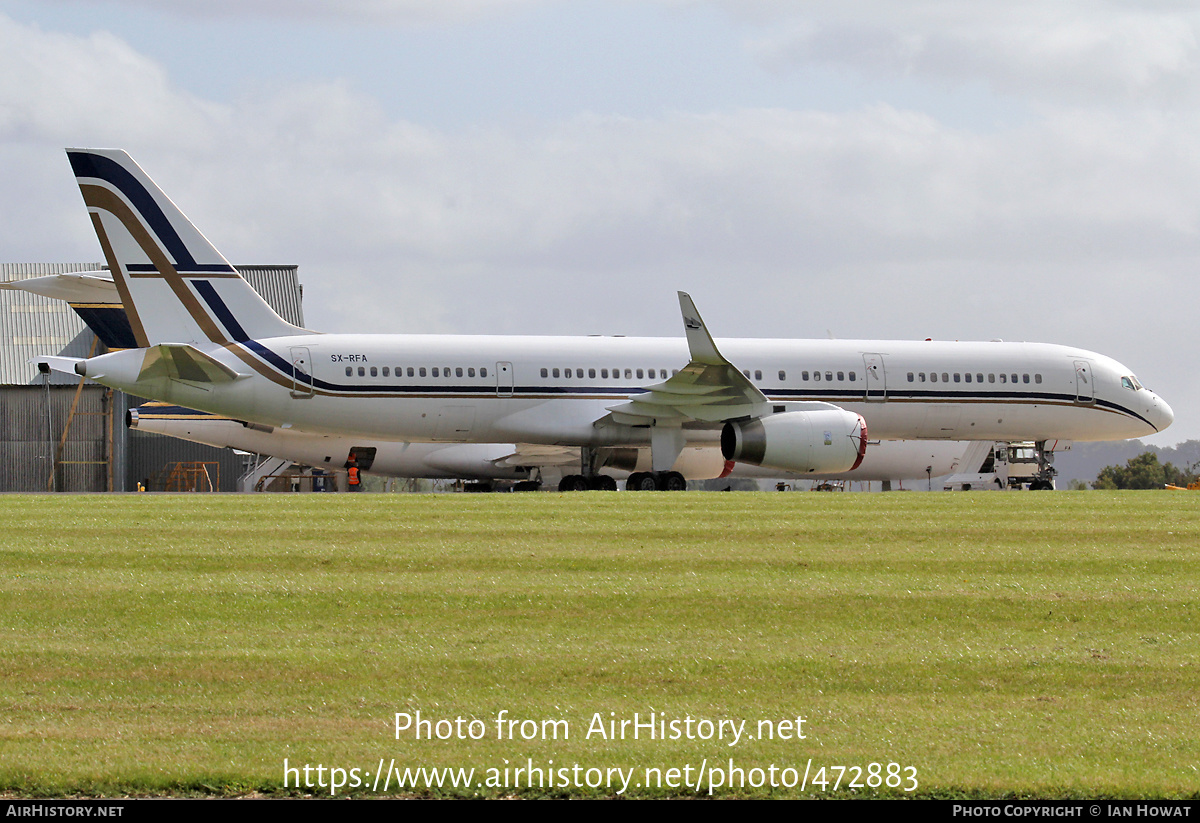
x=556, y=390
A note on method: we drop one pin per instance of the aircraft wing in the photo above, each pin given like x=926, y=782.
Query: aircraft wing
x=709, y=388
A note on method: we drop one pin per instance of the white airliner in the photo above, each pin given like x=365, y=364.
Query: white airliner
x=208, y=341
x=94, y=297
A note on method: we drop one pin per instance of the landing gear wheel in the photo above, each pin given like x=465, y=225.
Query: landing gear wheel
x=672, y=482
x=641, y=482
x=573, y=483
x=602, y=483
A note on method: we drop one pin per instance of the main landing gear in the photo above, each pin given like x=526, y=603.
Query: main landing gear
x=656, y=481
x=637, y=482
x=590, y=480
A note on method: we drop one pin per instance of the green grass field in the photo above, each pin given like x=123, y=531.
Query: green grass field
x=988, y=645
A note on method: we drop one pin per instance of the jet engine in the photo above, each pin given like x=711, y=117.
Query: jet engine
x=808, y=442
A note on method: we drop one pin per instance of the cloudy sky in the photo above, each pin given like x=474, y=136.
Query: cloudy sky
x=936, y=168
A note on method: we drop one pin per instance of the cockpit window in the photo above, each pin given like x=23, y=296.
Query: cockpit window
x=1130, y=382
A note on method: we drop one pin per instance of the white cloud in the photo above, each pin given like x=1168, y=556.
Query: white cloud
x=1071, y=51
x=93, y=90
x=338, y=11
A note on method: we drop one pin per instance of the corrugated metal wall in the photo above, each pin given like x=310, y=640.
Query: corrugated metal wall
x=32, y=420
x=280, y=287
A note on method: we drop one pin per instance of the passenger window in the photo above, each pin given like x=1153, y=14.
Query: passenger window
x=470, y=371
x=604, y=373
x=1025, y=378
x=968, y=377
x=978, y=377
x=816, y=377
x=349, y=371
x=386, y=371
x=592, y=373
x=1014, y=378
x=758, y=374
x=804, y=376
x=1037, y=378
x=639, y=374
x=483, y=372
x=782, y=375
x=933, y=377
x=458, y=371
x=421, y=371
x=362, y=372
x=1003, y=378
x=828, y=375
x=946, y=377
x=956, y=380
x=911, y=377
x=410, y=371
x=842, y=376
x=579, y=373
x=921, y=377
x=374, y=372
x=852, y=378
x=555, y=372
x=629, y=374
x=991, y=377
x=435, y=371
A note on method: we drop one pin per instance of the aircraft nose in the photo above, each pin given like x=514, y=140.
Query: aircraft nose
x=1159, y=413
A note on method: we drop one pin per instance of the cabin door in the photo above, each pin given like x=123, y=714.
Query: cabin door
x=302, y=381
x=875, y=388
x=1085, y=388
x=504, y=379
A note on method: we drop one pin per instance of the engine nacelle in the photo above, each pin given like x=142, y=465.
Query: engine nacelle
x=807, y=442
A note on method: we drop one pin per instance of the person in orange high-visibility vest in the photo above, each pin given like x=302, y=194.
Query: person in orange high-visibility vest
x=353, y=476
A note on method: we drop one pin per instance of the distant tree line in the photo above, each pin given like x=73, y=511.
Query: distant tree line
x=1144, y=472
x=1084, y=461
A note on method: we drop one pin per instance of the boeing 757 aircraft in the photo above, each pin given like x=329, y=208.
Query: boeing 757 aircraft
x=94, y=297
x=207, y=341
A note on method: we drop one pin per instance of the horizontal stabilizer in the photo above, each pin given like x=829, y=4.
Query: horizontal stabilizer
x=179, y=361
x=66, y=365
x=77, y=287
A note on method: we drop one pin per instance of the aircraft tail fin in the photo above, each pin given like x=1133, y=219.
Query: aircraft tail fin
x=176, y=286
